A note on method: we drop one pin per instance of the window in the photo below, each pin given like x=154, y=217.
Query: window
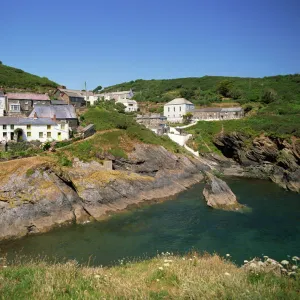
x=174, y=108
x=12, y=127
x=49, y=135
x=28, y=127
x=4, y=134
x=15, y=107
x=48, y=127
x=179, y=108
x=168, y=109
x=28, y=134
x=62, y=126
x=40, y=135
x=4, y=127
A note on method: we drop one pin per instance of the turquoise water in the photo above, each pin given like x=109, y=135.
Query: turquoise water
x=179, y=225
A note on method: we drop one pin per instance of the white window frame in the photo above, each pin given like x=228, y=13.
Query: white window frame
x=11, y=106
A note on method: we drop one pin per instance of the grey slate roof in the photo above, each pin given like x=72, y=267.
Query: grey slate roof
x=60, y=111
x=218, y=109
x=231, y=109
x=208, y=109
x=26, y=121
x=179, y=101
x=76, y=93
x=58, y=102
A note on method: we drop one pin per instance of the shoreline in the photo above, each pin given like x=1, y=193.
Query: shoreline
x=81, y=215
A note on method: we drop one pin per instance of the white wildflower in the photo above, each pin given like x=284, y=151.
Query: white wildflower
x=183, y=258
x=166, y=264
x=284, y=262
x=190, y=259
x=295, y=258
x=160, y=268
x=4, y=266
x=227, y=274
x=97, y=276
x=227, y=255
x=245, y=261
x=266, y=257
x=157, y=280
x=294, y=267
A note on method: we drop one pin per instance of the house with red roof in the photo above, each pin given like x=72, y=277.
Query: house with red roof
x=21, y=104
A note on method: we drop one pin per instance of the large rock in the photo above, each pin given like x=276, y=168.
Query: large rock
x=218, y=194
x=37, y=195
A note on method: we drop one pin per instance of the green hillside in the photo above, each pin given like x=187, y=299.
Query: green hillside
x=207, y=89
x=12, y=79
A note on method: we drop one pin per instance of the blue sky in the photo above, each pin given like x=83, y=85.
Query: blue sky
x=108, y=42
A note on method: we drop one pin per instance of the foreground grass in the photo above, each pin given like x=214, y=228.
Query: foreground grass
x=164, y=277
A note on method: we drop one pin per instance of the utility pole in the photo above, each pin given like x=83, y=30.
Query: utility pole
x=86, y=96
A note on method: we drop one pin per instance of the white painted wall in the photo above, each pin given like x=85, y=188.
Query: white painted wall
x=2, y=105
x=179, y=139
x=175, y=112
x=130, y=105
x=32, y=133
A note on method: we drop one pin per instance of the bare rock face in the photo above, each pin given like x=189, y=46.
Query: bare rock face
x=37, y=195
x=218, y=194
x=264, y=157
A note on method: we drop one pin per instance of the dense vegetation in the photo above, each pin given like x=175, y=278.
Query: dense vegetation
x=105, y=116
x=16, y=79
x=207, y=89
x=163, y=277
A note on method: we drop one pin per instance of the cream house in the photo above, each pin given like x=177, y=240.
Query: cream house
x=176, y=109
x=130, y=105
x=116, y=95
x=32, y=129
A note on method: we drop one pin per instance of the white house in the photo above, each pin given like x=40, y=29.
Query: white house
x=2, y=104
x=130, y=105
x=42, y=129
x=176, y=109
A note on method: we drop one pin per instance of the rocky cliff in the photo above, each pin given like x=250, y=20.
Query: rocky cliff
x=264, y=157
x=37, y=195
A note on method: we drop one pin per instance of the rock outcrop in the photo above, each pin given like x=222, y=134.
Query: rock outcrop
x=264, y=157
x=218, y=194
x=37, y=195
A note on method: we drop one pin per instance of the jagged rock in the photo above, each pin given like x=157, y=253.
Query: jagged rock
x=37, y=195
x=264, y=157
x=218, y=194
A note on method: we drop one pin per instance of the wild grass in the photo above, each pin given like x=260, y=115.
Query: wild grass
x=281, y=126
x=164, y=277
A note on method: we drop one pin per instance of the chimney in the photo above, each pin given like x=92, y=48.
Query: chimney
x=54, y=117
x=35, y=115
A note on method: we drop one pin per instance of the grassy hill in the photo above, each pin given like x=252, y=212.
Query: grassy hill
x=203, y=90
x=13, y=79
x=163, y=277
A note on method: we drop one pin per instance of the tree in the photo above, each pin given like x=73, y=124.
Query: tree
x=19, y=134
x=186, y=93
x=120, y=107
x=0, y=62
x=224, y=87
x=97, y=89
x=269, y=96
x=235, y=93
x=187, y=118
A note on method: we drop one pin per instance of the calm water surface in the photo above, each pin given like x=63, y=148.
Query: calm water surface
x=272, y=228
